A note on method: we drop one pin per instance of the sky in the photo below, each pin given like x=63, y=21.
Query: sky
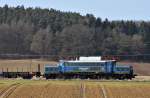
x=111, y=9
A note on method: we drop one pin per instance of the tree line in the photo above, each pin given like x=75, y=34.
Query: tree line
x=53, y=32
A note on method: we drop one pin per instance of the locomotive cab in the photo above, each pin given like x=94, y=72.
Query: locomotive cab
x=123, y=71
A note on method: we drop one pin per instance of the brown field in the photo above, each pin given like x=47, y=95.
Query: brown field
x=73, y=89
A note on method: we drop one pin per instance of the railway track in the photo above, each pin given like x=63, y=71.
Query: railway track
x=9, y=90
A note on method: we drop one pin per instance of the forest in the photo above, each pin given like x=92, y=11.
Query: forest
x=53, y=32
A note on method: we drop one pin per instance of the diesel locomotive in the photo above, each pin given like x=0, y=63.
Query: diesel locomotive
x=89, y=68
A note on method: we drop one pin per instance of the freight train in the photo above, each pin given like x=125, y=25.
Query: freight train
x=89, y=68
x=82, y=67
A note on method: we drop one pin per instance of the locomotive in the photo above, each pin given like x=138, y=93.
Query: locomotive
x=89, y=68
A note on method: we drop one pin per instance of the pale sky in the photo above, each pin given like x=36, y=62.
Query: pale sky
x=111, y=9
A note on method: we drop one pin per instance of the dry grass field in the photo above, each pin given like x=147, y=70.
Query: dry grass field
x=73, y=89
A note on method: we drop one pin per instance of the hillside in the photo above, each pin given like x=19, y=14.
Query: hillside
x=53, y=32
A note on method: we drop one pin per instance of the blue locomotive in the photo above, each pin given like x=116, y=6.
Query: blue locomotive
x=93, y=69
